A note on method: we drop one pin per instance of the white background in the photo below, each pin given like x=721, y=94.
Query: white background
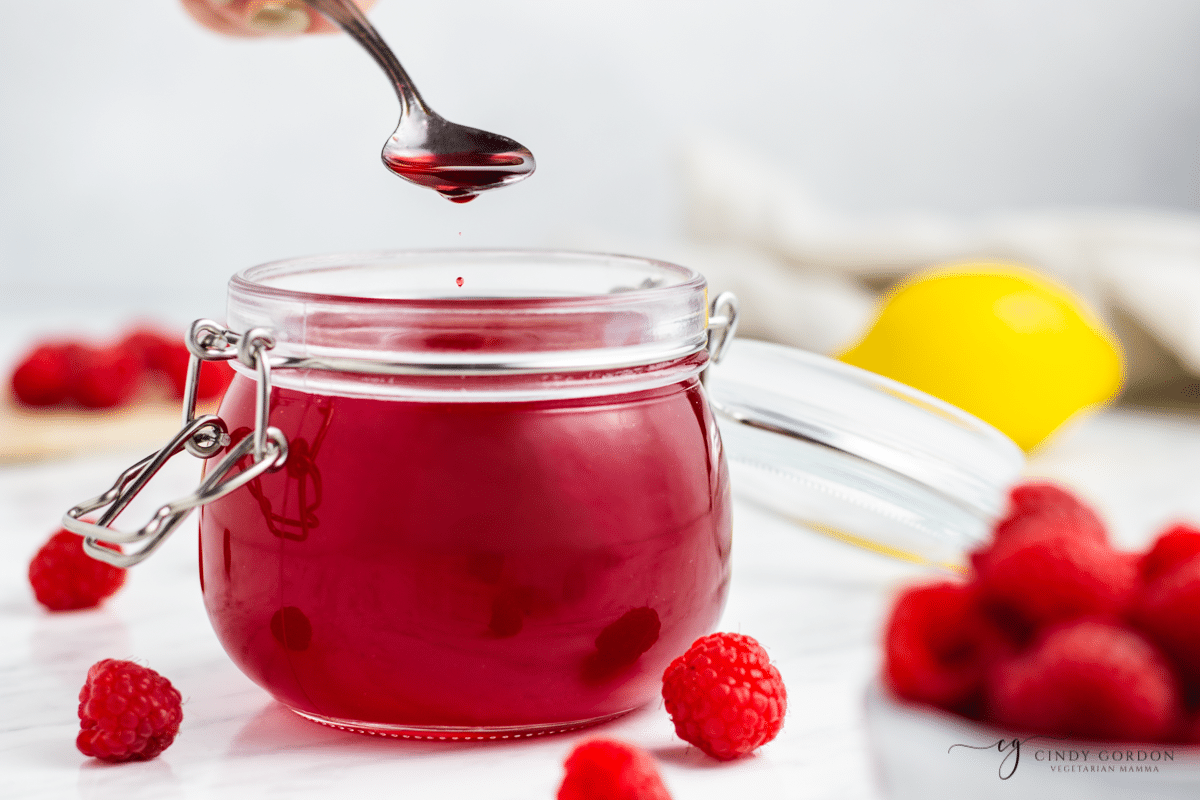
x=143, y=159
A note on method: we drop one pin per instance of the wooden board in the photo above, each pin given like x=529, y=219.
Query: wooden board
x=29, y=434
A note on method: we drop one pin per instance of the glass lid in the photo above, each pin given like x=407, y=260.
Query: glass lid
x=860, y=456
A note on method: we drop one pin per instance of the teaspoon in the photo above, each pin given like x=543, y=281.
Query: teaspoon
x=456, y=161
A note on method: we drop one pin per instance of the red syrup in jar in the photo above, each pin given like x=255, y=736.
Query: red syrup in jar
x=458, y=177
x=424, y=564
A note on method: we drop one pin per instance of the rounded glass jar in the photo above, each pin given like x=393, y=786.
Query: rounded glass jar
x=505, y=505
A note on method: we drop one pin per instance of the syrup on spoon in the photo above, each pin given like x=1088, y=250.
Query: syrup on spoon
x=456, y=161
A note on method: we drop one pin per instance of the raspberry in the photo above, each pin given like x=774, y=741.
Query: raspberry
x=127, y=712
x=107, y=377
x=66, y=578
x=157, y=352
x=215, y=377
x=605, y=769
x=725, y=696
x=1173, y=547
x=1088, y=679
x=169, y=358
x=1039, y=581
x=44, y=377
x=938, y=645
x=1168, y=609
x=172, y=365
x=1044, y=497
x=1192, y=731
x=149, y=346
x=1040, y=510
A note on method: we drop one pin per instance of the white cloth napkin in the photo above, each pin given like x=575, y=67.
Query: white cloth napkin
x=803, y=270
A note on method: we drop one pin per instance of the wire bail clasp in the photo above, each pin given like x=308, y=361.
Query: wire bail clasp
x=203, y=436
x=722, y=324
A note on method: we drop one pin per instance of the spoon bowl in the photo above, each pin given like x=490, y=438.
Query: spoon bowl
x=454, y=160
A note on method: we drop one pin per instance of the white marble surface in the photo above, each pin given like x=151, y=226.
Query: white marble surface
x=815, y=603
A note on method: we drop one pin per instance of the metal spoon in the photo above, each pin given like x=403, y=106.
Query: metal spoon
x=456, y=161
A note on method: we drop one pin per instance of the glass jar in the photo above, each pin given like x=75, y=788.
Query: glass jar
x=504, y=507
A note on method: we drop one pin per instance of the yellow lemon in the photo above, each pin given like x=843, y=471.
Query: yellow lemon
x=996, y=340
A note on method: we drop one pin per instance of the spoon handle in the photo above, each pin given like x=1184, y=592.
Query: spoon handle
x=347, y=16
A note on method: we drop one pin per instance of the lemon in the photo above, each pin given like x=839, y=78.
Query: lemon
x=996, y=340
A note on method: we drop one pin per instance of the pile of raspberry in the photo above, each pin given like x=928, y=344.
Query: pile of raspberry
x=69, y=372
x=1054, y=632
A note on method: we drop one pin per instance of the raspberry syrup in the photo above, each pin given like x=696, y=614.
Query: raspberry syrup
x=470, y=564
x=459, y=177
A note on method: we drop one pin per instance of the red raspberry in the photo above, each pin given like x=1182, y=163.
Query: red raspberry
x=1046, y=498
x=1192, y=731
x=938, y=645
x=172, y=365
x=605, y=769
x=45, y=376
x=1168, y=609
x=148, y=345
x=106, y=377
x=725, y=696
x=65, y=578
x=1039, y=510
x=169, y=357
x=127, y=712
x=215, y=377
x=1173, y=547
x=1058, y=577
x=1088, y=679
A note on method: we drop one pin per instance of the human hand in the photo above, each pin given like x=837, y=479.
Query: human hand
x=261, y=17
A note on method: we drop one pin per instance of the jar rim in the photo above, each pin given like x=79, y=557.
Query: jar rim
x=263, y=279
x=559, y=317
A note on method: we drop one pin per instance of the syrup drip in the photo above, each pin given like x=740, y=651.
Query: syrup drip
x=458, y=177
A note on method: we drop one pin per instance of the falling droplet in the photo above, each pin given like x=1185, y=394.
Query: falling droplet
x=459, y=281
